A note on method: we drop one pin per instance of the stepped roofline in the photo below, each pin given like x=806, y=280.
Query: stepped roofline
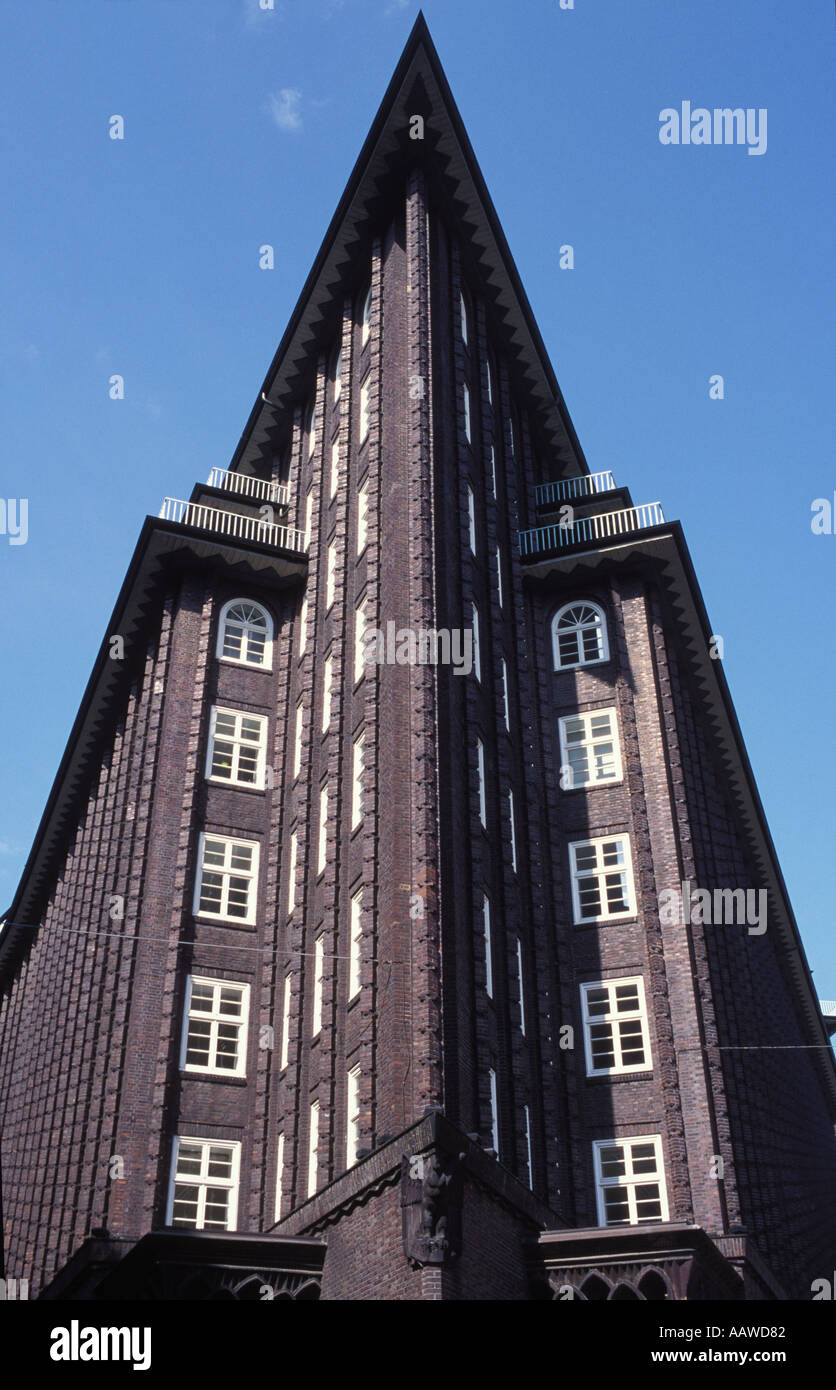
x=386, y=148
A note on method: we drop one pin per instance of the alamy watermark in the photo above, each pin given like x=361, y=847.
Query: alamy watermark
x=724, y=125
x=718, y=907
x=408, y=646
x=14, y=519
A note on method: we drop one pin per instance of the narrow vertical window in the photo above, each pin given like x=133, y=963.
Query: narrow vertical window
x=521, y=986
x=355, y=945
x=489, y=379
x=285, y=1053
x=313, y=1149
x=322, y=848
x=359, y=640
x=303, y=627
x=513, y=831
x=511, y=435
x=362, y=516
x=471, y=520
x=474, y=623
x=480, y=767
x=335, y=467
x=463, y=317
x=319, y=969
x=367, y=317
x=364, y=409
x=528, y=1147
x=494, y=1112
x=338, y=376
x=277, y=1211
x=291, y=875
x=357, y=782
x=297, y=742
x=466, y=408
x=327, y=684
x=493, y=471
x=499, y=575
x=486, y=927
x=308, y=519
x=505, y=705
x=330, y=574
x=352, y=1125
x=311, y=430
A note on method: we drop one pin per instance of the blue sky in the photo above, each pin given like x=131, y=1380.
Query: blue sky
x=140, y=257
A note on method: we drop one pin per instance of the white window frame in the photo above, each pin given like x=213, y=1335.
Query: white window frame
x=203, y=1181
x=313, y=1148
x=611, y=1017
x=310, y=430
x=216, y=1019
x=499, y=575
x=588, y=745
x=359, y=640
x=338, y=376
x=632, y=1180
x=480, y=769
x=335, y=468
x=486, y=935
x=511, y=439
x=303, y=627
x=353, y=1115
x=297, y=740
x=327, y=688
x=477, y=655
x=357, y=769
x=363, y=515
x=600, y=873
x=266, y=664
x=529, y=1163
x=466, y=411
x=285, y=1049
x=330, y=574
x=291, y=875
x=365, y=410
x=578, y=629
x=493, y=471
x=463, y=318
x=494, y=1110
x=513, y=824
x=366, y=318
x=471, y=519
x=489, y=378
x=322, y=839
x=277, y=1210
x=521, y=985
x=226, y=873
x=238, y=743
x=308, y=519
x=355, y=948
x=506, y=706
x=319, y=978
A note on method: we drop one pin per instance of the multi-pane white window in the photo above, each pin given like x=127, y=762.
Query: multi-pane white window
x=322, y=843
x=480, y=769
x=245, y=634
x=630, y=1181
x=338, y=376
x=355, y=945
x=494, y=1112
x=330, y=573
x=521, y=986
x=505, y=706
x=367, y=317
x=602, y=879
x=297, y=741
x=277, y=1213
x=477, y=658
x=529, y=1165
x=285, y=1052
x=359, y=640
x=319, y=972
x=466, y=411
x=463, y=317
x=362, y=516
x=589, y=749
x=579, y=636
x=499, y=575
x=493, y=471
x=364, y=409
x=471, y=520
x=203, y=1193
x=615, y=1027
x=303, y=627
x=237, y=744
x=313, y=1148
x=352, y=1128
x=486, y=931
x=327, y=686
x=291, y=873
x=513, y=824
x=214, y=1027
x=335, y=467
x=357, y=781
x=227, y=878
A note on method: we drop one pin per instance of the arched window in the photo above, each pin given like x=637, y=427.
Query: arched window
x=367, y=317
x=245, y=634
x=579, y=635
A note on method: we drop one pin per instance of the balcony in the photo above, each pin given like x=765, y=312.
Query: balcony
x=589, y=530
x=256, y=489
x=233, y=525
x=586, y=485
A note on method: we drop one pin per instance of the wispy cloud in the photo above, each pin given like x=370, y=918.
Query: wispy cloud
x=9, y=849
x=284, y=108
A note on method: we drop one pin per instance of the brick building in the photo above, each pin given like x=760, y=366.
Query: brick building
x=354, y=974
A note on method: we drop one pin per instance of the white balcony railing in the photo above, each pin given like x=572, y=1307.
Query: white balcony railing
x=233, y=524
x=583, y=486
x=247, y=486
x=601, y=527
